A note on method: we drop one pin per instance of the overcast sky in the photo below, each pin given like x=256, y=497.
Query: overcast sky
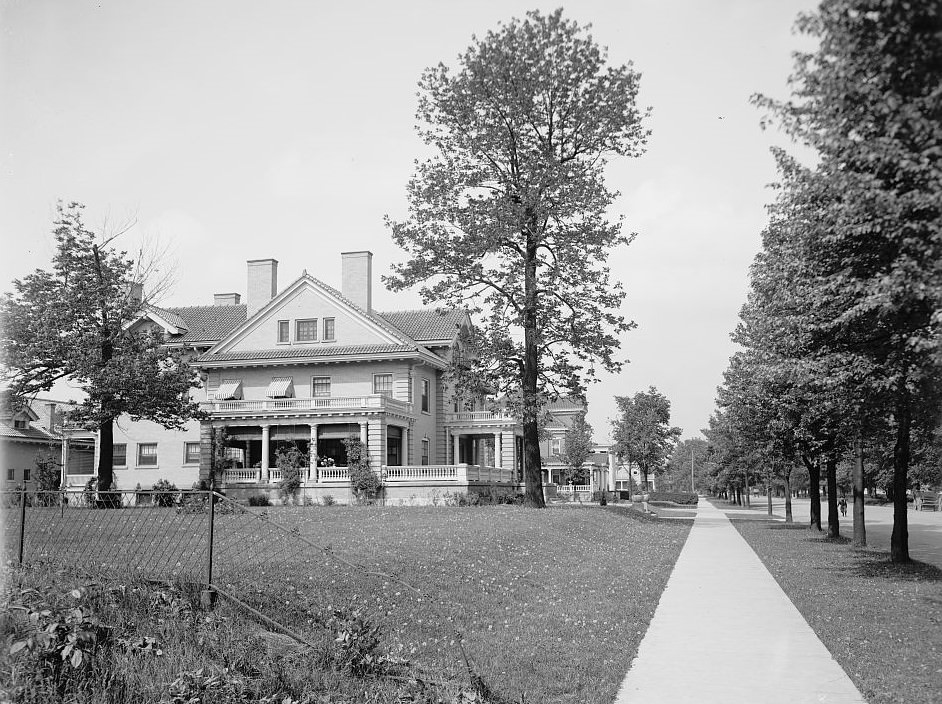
x=240, y=130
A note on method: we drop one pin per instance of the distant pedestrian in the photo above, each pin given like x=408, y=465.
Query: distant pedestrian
x=843, y=506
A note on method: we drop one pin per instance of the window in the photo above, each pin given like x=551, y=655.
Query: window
x=20, y=424
x=425, y=444
x=147, y=454
x=328, y=329
x=426, y=392
x=11, y=475
x=320, y=386
x=556, y=446
x=119, y=455
x=382, y=384
x=305, y=330
x=283, y=331
x=26, y=475
x=191, y=453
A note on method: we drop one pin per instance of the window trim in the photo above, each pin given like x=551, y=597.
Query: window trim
x=389, y=393
x=125, y=463
x=333, y=331
x=314, y=393
x=297, y=336
x=138, y=455
x=426, y=395
x=287, y=328
x=186, y=459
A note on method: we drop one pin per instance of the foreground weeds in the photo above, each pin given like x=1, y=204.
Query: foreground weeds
x=74, y=639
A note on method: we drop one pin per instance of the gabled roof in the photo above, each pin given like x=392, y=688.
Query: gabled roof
x=30, y=434
x=427, y=324
x=206, y=323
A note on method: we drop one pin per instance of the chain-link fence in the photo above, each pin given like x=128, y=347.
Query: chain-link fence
x=295, y=581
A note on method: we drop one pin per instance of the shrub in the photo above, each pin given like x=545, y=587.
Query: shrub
x=328, y=500
x=167, y=495
x=685, y=498
x=90, y=491
x=363, y=480
x=259, y=500
x=356, y=645
x=290, y=460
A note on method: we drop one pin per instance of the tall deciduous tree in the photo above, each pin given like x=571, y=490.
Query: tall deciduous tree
x=577, y=446
x=642, y=432
x=74, y=322
x=510, y=216
x=869, y=101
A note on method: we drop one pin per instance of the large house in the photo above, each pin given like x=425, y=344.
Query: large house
x=309, y=365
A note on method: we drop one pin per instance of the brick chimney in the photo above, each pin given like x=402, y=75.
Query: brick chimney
x=262, y=284
x=357, y=278
x=226, y=299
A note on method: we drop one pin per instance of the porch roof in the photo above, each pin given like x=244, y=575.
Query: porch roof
x=305, y=353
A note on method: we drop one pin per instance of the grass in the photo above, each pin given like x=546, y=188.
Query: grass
x=551, y=605
x=882, y=622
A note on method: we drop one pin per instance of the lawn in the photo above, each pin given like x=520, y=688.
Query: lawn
x=882, y=622
x=551, y=605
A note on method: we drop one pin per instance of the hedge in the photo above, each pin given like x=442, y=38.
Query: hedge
x=685, y=498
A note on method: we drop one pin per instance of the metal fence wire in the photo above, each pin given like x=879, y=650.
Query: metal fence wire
x=298, y=583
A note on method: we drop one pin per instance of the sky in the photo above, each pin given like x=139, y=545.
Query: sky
x=226, y=130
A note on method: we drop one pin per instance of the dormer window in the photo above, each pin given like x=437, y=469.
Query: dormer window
x=20, y=424
x=281, y=387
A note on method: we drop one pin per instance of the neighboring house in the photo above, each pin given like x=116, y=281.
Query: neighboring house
x=559, y=417
x=311, y=366
x=36, y=430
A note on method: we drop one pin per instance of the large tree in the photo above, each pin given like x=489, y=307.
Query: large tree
x=510, y=216
x=75, y=322
x=869, y=102
x=642, y=432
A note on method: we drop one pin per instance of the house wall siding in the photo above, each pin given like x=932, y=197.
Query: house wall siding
x=171, y=447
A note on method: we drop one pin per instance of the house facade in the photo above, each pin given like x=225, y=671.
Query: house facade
x=310, y=366
x=36, y=431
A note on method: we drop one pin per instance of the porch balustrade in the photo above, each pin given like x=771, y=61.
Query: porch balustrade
x=457, y=473
x=471, y=416
x=571, y=488
x=307, y=404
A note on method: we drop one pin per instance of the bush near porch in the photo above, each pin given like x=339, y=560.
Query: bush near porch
x=684, y=498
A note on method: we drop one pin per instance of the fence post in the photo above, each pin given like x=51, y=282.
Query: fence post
x=19, y=558
x=208, y=595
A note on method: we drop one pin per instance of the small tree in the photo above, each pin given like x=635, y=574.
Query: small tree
x=75, y=322
x=289, y=460
x=363, y=480
x=642, y=431
x=577, y=446
x=48, y=476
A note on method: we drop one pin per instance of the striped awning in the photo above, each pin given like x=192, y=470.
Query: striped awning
x=281, y=387
x=229, y=389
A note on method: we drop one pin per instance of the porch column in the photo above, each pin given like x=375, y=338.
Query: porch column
x=498, y=450
x=454, y=438
x=364, y=432
x=266, y=437
x=405, y=445
x=312, y=451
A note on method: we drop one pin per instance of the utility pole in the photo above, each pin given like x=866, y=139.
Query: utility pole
x=693, y=488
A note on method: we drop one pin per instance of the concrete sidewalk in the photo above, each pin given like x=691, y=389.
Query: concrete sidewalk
x=699, y=648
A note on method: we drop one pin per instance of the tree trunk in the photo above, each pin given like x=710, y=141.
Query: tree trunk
x=899, y=540
x=834, y=523
x=533, y=484
x=788, y=496
x=814, y=490
x=768, y=492
x=860, y=528
x=746, y=489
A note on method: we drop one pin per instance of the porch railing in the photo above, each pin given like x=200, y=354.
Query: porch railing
x=571, y=488
x=306, y=404
x=471, y=416
x=458, y=473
